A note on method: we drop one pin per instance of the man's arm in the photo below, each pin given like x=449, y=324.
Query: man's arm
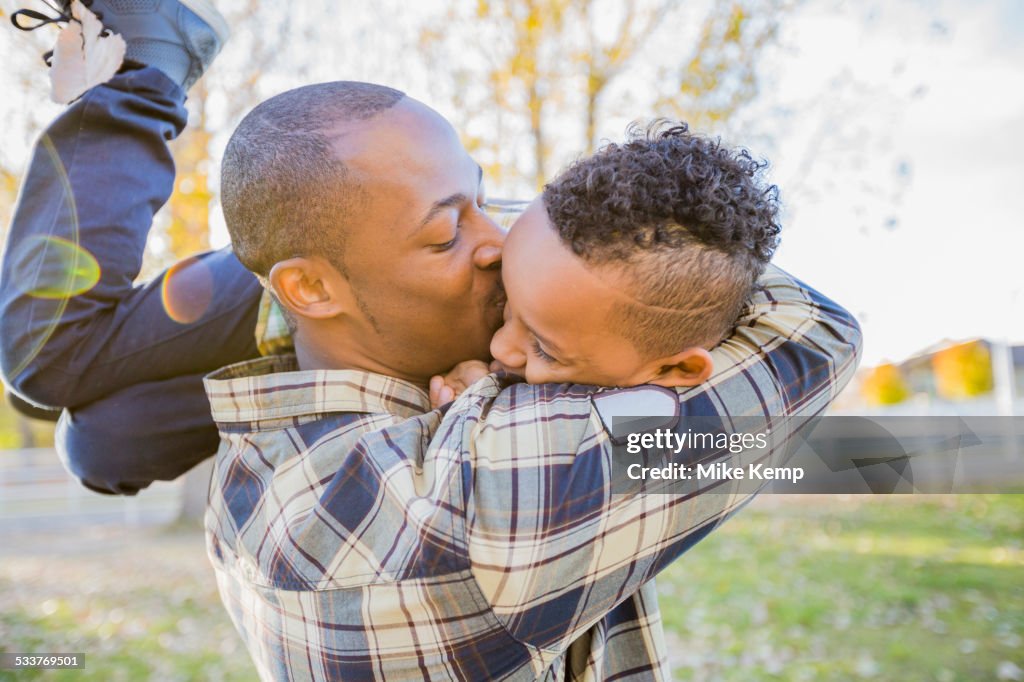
x=552, y=548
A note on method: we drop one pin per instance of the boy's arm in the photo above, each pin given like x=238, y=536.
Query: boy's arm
x=73, y=326
x=551, y=547
x=154, y=431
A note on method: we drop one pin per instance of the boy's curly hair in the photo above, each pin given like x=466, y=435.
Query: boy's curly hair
x=690, y=223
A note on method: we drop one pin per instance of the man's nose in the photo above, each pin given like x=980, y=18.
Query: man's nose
x=487, y=255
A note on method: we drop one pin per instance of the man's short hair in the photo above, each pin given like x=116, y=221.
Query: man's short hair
x=284, y=190
x=687, y=221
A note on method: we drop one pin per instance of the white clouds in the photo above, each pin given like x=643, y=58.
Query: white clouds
x=953, y=262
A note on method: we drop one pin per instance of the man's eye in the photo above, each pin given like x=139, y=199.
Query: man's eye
x=448, y=244
x=539, y=352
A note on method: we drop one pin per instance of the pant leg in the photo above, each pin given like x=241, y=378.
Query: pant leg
x=153, y=431
x=130, y=370
x=31, y=410
x=97, y=176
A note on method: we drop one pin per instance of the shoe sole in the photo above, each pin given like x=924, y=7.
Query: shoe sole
x=205, y=10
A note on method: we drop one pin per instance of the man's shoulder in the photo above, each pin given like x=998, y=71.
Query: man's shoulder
x=274, y=388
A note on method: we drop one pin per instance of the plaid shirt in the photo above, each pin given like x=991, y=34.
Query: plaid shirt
x=358, y=534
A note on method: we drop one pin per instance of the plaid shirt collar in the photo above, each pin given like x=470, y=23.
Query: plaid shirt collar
x=274, y=388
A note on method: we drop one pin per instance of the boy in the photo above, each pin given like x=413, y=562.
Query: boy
x=659, y=238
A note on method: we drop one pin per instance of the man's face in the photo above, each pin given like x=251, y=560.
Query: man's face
x=556, y=319
x=423, y=258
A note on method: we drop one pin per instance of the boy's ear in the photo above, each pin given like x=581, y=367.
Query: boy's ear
x=689, y=367
x=309, y=287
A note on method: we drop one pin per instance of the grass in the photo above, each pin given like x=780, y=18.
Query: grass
x=800, y=588
x=814, y=588
x=141, y=605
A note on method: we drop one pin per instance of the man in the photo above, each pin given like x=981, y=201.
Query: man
x=345, y=547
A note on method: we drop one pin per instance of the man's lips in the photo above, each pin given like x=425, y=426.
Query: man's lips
x=498, y=299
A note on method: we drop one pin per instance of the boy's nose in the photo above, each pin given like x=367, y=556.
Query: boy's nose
x=506, y=351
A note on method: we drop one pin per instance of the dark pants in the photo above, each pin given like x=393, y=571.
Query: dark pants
x=128, y=370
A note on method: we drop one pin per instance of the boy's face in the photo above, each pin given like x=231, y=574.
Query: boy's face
x=556, y=320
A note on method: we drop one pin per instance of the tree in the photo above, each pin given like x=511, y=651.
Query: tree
x=885, y=385
x=963, y=371
x=721, y=74
x=527, y=68
x=8, y=192
x=513, y=45
x=604, y=59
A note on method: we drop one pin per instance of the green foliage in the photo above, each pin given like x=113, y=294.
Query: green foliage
x=818, y=588
x=151, y=613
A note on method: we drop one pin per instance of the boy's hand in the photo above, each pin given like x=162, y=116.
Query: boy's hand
x=448, y=387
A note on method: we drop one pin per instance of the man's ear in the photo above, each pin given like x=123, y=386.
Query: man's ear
x=309, y=287
x=690, y=367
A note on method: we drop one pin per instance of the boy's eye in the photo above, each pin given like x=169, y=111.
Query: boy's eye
x=540, y=352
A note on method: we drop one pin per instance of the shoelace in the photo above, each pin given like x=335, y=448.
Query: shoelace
x=63, y=17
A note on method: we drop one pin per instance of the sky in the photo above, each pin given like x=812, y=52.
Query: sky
x=920, y=235
x=895, y=134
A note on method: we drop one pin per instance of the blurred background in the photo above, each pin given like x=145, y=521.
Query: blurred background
x=894, y=133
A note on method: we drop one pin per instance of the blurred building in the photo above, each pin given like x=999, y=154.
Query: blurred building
x=972, y=377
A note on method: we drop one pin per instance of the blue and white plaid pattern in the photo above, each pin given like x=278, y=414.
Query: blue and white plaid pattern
x=357, y=534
